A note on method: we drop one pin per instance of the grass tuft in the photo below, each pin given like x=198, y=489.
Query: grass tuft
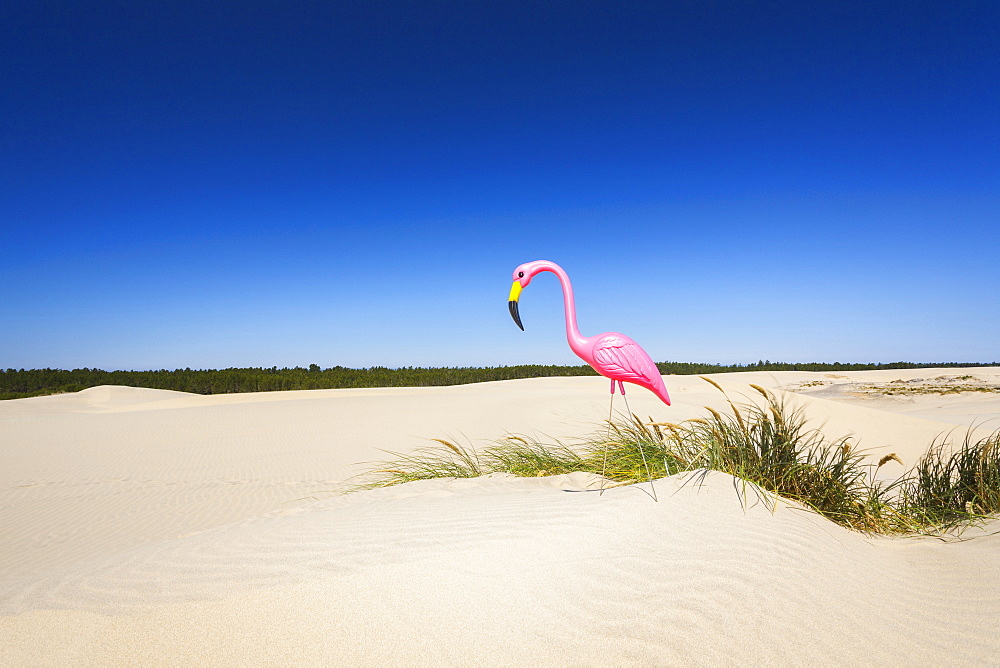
x=949, y=488
x=766, y=446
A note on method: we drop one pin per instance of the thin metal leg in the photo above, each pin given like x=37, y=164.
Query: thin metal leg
x=605, y=467
x=649, y=476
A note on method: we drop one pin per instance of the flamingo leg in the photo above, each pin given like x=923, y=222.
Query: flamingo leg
x=610, y=413
x=649, y=476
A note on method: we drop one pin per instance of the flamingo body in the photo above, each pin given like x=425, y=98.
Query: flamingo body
x=611, y=354
x=618, y=357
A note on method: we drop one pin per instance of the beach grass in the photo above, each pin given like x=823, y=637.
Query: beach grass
x=948, y=486
x=764, y=444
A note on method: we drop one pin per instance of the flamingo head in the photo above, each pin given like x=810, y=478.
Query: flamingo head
x=522, y=277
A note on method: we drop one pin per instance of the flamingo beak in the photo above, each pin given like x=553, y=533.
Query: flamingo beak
x=515, y=292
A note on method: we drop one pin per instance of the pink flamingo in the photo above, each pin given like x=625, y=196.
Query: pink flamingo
x=611, y=354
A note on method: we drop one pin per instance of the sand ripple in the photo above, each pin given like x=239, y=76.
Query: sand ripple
x=536, y=572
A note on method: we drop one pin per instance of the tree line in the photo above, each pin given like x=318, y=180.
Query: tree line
x=20, y=383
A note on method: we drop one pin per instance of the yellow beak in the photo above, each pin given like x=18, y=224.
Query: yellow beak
x=515, y=292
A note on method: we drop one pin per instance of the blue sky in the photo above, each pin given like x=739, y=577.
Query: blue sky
x=286, y=183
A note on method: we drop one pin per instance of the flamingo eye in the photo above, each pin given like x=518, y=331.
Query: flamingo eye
x=520, y=274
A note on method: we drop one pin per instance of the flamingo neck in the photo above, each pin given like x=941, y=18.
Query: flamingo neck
x=577, y=342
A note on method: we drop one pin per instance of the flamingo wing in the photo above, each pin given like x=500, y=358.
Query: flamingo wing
x=620, y=358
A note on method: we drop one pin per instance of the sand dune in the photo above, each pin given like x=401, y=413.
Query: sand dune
x=145, y=526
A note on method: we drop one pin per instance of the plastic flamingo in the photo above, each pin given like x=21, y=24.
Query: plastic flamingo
x=611, y=354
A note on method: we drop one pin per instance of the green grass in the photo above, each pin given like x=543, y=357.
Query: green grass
x=949, y=487
x=767, y=446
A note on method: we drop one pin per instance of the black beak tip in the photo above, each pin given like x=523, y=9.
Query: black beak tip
x=514, y=314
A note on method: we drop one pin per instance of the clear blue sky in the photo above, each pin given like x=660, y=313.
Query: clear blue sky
x=255, y=184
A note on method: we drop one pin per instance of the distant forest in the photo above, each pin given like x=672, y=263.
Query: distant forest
x=19, y=383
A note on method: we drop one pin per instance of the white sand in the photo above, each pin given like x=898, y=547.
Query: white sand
x=145, y=526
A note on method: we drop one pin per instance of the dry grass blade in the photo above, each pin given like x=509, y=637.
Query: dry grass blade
x=451, y=446
x=736, y=411
x=656, y=428
x=713, y=383
x=715, y=413
x=892, y=456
